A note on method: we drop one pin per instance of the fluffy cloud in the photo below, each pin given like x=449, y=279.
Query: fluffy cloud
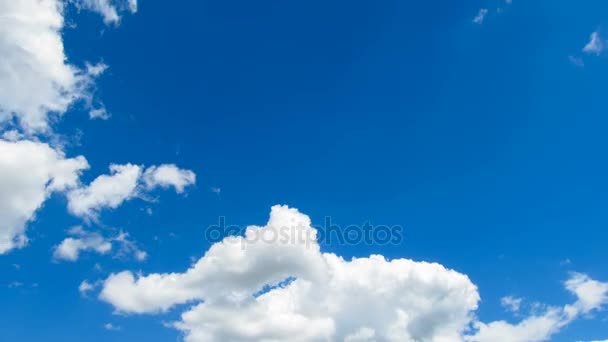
x=83, y=241
x=70, y=248
x=29, y=173
x=256, y=290
x=595, y=45
x=168, y=175
x=124, y=183
x=108, y=9
x=36, y=82
x=263, y=288
x=106, y=191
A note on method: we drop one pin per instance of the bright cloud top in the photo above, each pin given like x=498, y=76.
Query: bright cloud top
x=124, y=183
x=29, y=173
x=246, y=289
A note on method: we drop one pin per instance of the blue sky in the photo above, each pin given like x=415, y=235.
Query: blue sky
x=477, y=126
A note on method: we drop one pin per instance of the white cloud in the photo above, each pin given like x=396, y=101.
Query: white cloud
x=84, y=241
x=133, y=6
x=99, y=113
x=330, y=298
x=596, y=44
x=168, y=175
x=109, y=10
x=511, y=303
x=29, y=173
x=85, y=287
x=122, y=184
x=481, y=15
x=106, y=191
x=36, y=81
x=111, y=327
x=591, y=295
x=128, y=247
x=247, y=288
x=70, y=248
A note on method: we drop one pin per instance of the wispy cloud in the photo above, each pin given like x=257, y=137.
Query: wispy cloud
x=481, y=16
x=596, y=44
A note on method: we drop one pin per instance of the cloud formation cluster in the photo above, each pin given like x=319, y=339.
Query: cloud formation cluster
x=29, y=173
x=81, y=241
x=247, y=289
x=124, y=183
x=37, y=83
x=37, y=86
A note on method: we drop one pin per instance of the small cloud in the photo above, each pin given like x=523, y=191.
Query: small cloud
x=81, y=240
x=111, y=327
x=481, y=15
x=511, y=303
x=17, y=266
x=216, y=190
x=576, y=61
x=596, y=44
x=99, y=113
x=15, y=284
x=141, y=255
x=85, y=287
x=133, y=6
x=508, y=2
x=70, y=248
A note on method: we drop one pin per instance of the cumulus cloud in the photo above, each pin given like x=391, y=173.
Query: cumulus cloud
x=481, y=16
x=29, y=173
x=240, y=292
x=124, y=183
x=36, y=81
x=595, y=45
x=168, y=175
x=109, y=10
x=84, y=241
x=245, y=288
x=70, y=248
x=106, y=191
